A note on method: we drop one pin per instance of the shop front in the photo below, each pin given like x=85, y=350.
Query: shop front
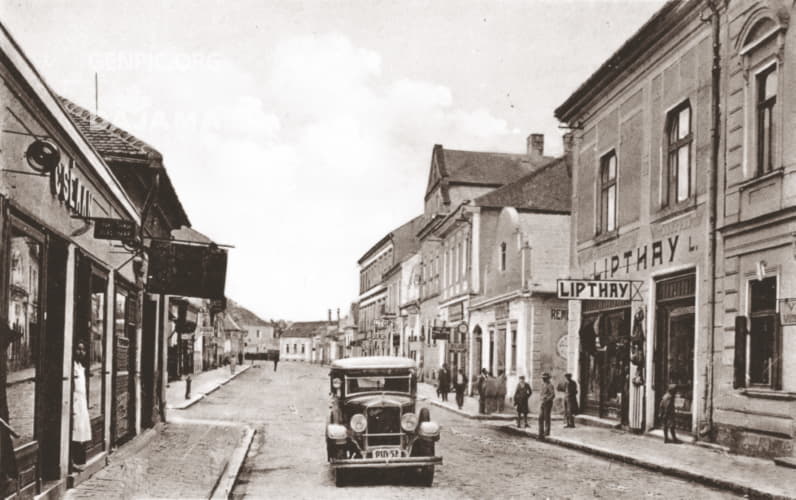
x=58, y=286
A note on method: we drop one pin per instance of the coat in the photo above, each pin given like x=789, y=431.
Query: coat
x=521, y=395
x=501, y=386
x=491, y=387
x=667, y=407
x=571, y=388
x=81, y=421
x=444, y=380
x=548, y=393
x=481, y=386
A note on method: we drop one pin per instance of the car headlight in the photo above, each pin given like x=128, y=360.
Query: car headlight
x=409, y=422
x=336, y=383
x=359, y=423
x=429, y=429
x=336, y=431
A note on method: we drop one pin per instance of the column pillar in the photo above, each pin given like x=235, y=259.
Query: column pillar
x=66, y=375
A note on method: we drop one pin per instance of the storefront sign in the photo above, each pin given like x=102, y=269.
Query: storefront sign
x=640, y=258
x=70, y=190
x=457, y=347
x=501, y=311
x=558, y=314
x=187, y=270
x=456, y=312
x=440, y=332
x=598, y=289
x=114, y=229
x=787, y=311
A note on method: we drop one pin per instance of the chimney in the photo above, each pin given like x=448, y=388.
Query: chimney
x=569, y=143
x=535, y=144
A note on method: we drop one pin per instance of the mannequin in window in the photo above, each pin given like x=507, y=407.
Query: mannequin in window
x=81, y=422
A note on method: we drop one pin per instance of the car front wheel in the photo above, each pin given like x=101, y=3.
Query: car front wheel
x=340, y=477
x=426, y=475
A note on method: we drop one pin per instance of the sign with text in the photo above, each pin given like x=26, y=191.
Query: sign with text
x=787, y=311
x=440, y=332
x=187, y=270
x=114, y=229
x=598, y=289
x=457, y=347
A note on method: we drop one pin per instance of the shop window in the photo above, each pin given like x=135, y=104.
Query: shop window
x=766, y=91
x=763, y=342
x=679, y=139
x=607, y=221
x=20, y=345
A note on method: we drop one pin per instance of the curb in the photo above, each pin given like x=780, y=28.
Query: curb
x=493, y=416
x=682, y=473
x=229, y=475
x=187, y=404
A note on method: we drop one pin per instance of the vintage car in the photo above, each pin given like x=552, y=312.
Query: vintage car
x=374, y=422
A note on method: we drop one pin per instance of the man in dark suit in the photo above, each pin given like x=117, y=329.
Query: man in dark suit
x=444, y=382
x=571, y=400
x=548, y=395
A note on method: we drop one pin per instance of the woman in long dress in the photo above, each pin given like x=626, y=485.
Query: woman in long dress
x=81, y=422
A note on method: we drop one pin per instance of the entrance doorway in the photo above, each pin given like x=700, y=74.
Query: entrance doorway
x=148, y=353
x=124, y=333
x=674, y=346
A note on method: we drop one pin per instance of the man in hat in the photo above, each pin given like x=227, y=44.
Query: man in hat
x=666, y=415
x=521, y=395
x=571, y=400
x=546, y=405
x=482, y=391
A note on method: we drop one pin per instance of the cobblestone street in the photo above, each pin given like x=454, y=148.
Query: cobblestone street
x=287, y=458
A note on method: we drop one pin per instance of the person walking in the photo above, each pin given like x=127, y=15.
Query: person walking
x=444, y=386
x=571, y=400
x=500, y=399
x=482, y=391
x=521, y=395
x=276, y=360
x=546, y=405
x=666, y=415
x=459, y=384
x=81, y=421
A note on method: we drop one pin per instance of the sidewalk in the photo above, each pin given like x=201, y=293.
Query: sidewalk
x=202, y=384
x=469, y=408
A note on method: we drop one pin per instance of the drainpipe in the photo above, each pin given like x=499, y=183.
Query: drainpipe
x=714, y=5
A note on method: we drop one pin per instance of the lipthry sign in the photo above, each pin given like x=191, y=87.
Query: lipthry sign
x=598, y=289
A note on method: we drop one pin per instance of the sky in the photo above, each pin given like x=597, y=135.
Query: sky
x=301, y=131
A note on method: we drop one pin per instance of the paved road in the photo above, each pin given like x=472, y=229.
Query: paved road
x=287, y=458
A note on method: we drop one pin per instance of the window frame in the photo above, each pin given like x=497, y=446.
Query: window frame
x=761, y=106
x=672, y=174
x=605, y=184
x=775, y=360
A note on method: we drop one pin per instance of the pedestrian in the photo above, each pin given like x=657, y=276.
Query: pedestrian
x=482, y=391
x=666, y=415
x=491, y=393
x=460, y=383
x=521, y=395
x=501, y=391
x=546, y=405
x=444, y=386
x=276, y=360
x=571, y=400
x=81, y=421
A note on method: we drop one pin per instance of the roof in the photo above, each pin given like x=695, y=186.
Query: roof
x=485, y=168
x=366, y=362
x=403, y=239
x=114, y=144
x=230, y=324
x=305, y=329
x=547, y=189
x=243, y=316
x=189, y=234
x=656, y=28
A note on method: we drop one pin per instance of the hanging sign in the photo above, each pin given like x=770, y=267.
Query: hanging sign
x=187, y=270
x=787, y=311
x=598, y=289
x=440, y=332
x=114, y=229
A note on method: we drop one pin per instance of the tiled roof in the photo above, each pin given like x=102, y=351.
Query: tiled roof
x=230, y=324
x=404, y=238
x=186, y=233
x=485, y=168
x=306, y=329
x=243, y=316
x=547, y=189
x=106, y=137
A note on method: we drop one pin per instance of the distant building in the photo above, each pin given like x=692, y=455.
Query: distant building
x=297, y=341
x=259, y=336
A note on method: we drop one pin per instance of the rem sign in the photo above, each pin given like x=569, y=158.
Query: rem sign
x=597, y=289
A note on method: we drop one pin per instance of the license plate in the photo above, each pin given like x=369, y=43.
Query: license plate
x=387, y=453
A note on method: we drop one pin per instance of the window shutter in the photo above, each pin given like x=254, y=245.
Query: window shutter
x=739, y=377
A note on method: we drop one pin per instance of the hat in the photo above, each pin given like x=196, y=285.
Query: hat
x=545, y=375
x=568, y=375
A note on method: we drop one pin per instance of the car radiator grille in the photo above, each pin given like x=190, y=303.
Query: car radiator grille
x=384, y=420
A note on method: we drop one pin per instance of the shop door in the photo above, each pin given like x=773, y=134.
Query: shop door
x=148, y=344
x=675, y=353
x=21, y=356
x=90, y=326
x=124, y=329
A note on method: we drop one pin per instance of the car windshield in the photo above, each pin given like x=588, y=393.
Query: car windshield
x=395, y=383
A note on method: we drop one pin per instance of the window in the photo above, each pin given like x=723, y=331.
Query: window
x=679, y=139
x=607, y=193
x=513, y=350
x=766, y=129
x=763, y=333
x=503, y=256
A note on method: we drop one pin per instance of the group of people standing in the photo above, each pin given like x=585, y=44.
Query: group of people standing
x=444, y=381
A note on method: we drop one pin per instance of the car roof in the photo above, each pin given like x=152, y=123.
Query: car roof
x=373, y=362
